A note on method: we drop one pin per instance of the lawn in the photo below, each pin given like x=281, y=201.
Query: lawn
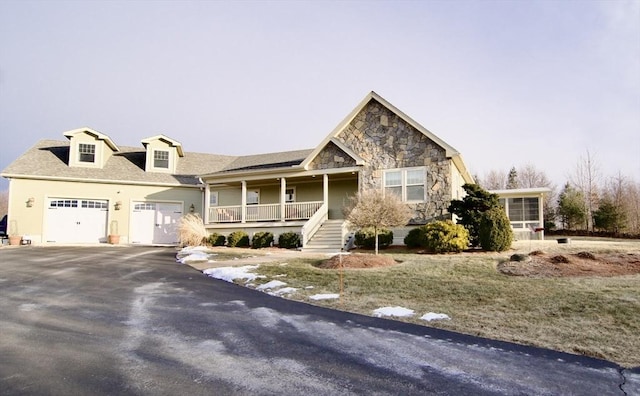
x=594, y=316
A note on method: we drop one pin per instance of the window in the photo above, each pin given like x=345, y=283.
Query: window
x=161, y=159
x=407, y=184
x=86, y=152
x=64, y=203
x=213, y=198
x=253, y=197
x=290, y=195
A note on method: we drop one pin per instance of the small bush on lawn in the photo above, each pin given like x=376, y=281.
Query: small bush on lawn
x=495, y=230
x=191, y=231
x=365, y=238
x=416, y=237
x=261, y=239
x=289, y=240
x=216, y=239
x=445, y=237
x=238, y=239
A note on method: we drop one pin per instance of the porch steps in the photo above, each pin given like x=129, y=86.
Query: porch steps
x=328, y=238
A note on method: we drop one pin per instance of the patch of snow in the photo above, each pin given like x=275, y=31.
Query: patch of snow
x=193, y=257
x=271, y=285
x=324, y=296
x=309, y=287
x=429, y=316
x=285, y=290
x=229, y=274
x=393, y=311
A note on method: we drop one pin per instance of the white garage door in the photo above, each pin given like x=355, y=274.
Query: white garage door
x=155, y=222
x=76, y=220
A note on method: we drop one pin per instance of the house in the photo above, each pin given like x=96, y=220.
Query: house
x=85, y=188
x=375, y=146
x=524, y=207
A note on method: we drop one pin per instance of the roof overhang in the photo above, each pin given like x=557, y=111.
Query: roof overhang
x=450, y=152
x=522, y=192
x=164, y=139
x=92, y=132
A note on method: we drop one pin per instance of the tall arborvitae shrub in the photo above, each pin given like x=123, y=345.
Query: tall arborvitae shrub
x=495, y=231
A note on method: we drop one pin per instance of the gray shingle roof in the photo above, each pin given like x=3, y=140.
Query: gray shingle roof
x=49, y=158
x=267, y=161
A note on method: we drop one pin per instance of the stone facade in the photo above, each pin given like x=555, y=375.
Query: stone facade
x=385, y=141
x=332, y=157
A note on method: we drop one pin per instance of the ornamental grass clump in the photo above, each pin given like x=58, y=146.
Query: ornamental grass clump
x=191, y=231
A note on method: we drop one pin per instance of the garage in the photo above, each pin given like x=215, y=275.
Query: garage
x=154, y=223
x=76, y=220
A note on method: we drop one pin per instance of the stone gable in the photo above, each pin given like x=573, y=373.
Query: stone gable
x=332, y=157
x=385, y=141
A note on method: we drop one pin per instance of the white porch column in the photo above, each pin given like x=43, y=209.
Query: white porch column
x=207, y=198
x=244, y=202
x=325, y=189
x=283, y=197
x=541, y=215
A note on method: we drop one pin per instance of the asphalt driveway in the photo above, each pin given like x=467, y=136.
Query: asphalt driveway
x=129, y=320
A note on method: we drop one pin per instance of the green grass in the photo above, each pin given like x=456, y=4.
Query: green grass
x=594, y=316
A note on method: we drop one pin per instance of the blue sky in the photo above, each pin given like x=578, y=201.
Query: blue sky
x=505, y=82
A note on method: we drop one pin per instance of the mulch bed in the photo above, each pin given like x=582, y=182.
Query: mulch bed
x=540, y=264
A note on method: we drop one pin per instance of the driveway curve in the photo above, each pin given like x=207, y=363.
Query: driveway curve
x=129, y=320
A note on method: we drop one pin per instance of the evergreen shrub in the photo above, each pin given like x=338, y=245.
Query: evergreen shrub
x=216, y=239
x=416, y=237
x=261, y=239
x=445, y=237
x=238, y=239
x=365, y=238
x=289, y=240
x=495, y=231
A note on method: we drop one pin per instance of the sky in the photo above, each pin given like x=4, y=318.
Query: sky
x=506, y=83
x=277, y=287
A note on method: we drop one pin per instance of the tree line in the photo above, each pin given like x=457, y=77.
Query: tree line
x=587, y=202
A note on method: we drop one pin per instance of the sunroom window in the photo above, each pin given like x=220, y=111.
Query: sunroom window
x=408, y=184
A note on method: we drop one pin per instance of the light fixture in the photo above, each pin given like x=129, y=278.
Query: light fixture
x=118, y=205
x=192, y=208
x=30, y=202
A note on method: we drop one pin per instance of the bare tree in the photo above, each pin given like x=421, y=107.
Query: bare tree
x=631, y=202
x=375, y=209
x=494, y=180
x=530, y=177
x=4, y=202
x=585, y=179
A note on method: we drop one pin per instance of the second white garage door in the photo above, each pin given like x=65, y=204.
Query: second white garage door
x=155, y=222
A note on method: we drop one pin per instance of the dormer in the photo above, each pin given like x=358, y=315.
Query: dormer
x=162, y=154
x=89, y=148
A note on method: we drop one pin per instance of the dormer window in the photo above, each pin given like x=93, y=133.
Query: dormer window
x=161, y=159
x=87, y=152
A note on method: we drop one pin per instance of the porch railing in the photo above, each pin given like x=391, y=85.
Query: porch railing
x=263, y=212
x=314, y=223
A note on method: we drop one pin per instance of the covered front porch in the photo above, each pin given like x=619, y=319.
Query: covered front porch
x=281, y=203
